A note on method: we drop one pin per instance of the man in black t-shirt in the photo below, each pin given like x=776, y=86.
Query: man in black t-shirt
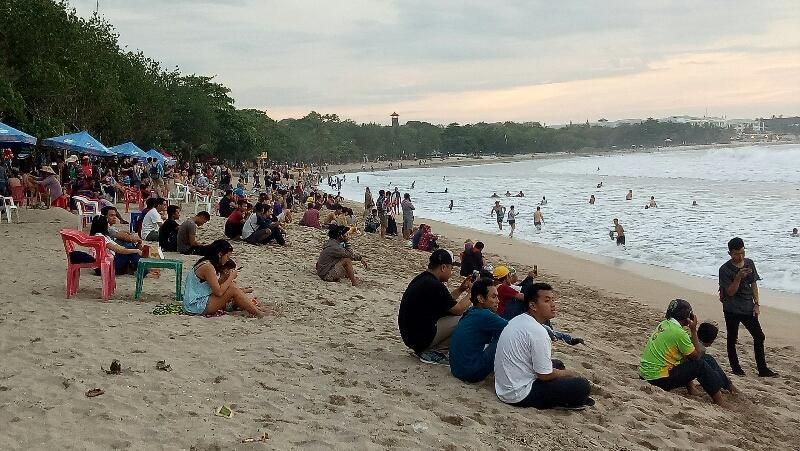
x=472, y=260
x=740, y=303
x=168, y=232
x=429, y=312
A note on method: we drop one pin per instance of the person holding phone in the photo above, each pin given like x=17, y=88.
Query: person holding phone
x=674, y=356
x=738, y=287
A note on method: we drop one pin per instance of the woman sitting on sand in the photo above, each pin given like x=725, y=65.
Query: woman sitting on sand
x=209, y=286
x=125, y=260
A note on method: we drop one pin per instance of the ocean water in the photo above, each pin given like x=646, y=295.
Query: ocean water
x=752, y=192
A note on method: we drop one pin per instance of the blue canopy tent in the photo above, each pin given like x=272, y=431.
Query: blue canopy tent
x=81, y=142
x=153, y=153
x=129, y=149
x=10, y=135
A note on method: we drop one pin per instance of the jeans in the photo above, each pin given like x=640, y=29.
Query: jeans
x=276, y=235
x=752, y=325
x=484, y=368
x=556, y=335
x=122, y=262
x=705, y=369
x=260, y=236
x=561, y=392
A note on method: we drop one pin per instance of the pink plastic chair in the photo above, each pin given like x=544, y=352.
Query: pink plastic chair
x=103, y=260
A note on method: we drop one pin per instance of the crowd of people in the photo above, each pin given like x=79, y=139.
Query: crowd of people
x=492, y=322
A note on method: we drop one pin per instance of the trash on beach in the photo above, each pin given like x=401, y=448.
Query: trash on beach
x=163, y=366
x=263, y=438
x=115, y=368
x=94, y=392
x=223, y=411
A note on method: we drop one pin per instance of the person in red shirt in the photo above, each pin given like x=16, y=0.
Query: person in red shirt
x=235, y=221
x=86, y=165
x=505, y=292
x=311, y=217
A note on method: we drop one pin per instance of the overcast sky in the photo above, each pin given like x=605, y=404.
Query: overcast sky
x=468, y=61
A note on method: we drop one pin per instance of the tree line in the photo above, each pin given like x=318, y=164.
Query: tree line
x=60, y=73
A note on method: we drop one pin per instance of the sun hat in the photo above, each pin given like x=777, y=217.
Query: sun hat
x=48, y=170
x=500, y=272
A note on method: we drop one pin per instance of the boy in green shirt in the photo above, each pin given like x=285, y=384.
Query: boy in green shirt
x=673, y=358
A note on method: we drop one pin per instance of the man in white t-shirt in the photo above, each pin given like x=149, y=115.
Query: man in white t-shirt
x=152, y=220
x=525, y=374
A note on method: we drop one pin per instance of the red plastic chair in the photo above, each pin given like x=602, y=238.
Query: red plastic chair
x=103, y=260
x=133, y=195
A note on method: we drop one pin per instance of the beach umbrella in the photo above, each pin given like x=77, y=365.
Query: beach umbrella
x=81, y=142
x=129, y=149
x=10, y=135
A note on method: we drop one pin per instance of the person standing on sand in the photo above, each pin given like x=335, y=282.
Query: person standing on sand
x=620, y=232
x=629, y=196
x=368, y=202
x=408, y=216
x=738, y=287
x=500, y=211
x=673, y=358
x=512, y=220
x=538, y=218
x=381, y=206
x=429, y=313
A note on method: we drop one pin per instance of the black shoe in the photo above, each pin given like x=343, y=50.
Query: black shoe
x=575, y=341
x=738, y=371
x=767, y=373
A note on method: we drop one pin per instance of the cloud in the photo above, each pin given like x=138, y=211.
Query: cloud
x=359, y=58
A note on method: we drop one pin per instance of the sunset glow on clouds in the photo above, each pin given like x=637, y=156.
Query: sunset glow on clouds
x=470, y=61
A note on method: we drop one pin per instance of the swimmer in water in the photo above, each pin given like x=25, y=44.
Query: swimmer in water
x=512, y=220
x=591, y=199
x=629, y=196
x=451, y=205
x=694, y=203
x=653, y=203
x=544, y=201
x=794, y=233
x=412, y=184
x=508, y=193
x=500, y=211
x=620, y=232
x=538, y=218
x=494, y=195
x=519, y=194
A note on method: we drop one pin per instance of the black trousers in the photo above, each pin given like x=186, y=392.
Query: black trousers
x=561, y=392
x=750, y=322
x=705, y=369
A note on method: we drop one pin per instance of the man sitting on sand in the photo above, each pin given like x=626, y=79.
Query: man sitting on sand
x=235, y=221
x=187, y=234
x=474, y=341
x=472, y=259
x=335, y=262
x=429, y=312
x=525, y=375
x=152, y=219
x=673, y=358
x=310, y=217
x=168, y=232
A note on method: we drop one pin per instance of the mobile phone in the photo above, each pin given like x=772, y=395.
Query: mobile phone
x=475, y=274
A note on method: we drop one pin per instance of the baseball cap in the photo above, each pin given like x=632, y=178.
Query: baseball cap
x=441, y=257
x=500, y=272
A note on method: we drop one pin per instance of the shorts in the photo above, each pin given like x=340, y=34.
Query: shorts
x=336, y=273
x=499, y=220
x=620, y=240
x=511, y=221
x=538, y=225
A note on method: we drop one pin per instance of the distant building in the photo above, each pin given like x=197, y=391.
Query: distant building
x=395, y=119
x=780, y=125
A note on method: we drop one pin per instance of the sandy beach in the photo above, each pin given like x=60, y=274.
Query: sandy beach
x=330, y=372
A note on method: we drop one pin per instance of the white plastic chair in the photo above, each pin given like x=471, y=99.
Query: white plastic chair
x=87, y=210
x=201, y=200
x=182, y=192
x=9, y=206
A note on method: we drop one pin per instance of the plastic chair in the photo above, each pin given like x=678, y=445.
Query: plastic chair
x=135, y=217
x=153, y=263
x=202, y=200
x=103, y=260
x=182, y=192
x=9, y=206
x=133, y=195
x=87, y=210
